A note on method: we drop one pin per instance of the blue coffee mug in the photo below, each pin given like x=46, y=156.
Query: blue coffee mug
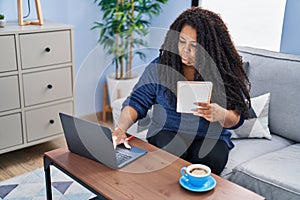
x=196, y=174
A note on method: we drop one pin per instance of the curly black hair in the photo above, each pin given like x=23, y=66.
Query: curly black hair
x=217, y=60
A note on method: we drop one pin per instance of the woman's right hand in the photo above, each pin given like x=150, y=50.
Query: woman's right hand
x=119, y=136
x=127, y=118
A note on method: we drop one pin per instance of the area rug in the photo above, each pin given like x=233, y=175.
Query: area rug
x=31, y=186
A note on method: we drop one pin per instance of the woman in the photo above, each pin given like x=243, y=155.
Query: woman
x=197, y=47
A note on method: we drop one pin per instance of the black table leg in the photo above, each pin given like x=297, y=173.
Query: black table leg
x=47, y=164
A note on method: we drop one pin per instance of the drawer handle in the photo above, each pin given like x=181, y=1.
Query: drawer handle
x=47, y=49
x=49, y=86
x=51, y=121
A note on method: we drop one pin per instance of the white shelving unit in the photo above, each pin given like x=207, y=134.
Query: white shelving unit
x=36, y=83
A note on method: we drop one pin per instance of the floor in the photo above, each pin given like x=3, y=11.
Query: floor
x=25, y=160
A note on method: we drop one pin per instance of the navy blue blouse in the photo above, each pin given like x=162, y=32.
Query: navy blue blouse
x=148, y=92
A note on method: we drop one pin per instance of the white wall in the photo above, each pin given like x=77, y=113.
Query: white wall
x=254, y=23
x=290, y=39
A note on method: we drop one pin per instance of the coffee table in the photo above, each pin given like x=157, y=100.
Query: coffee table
x=153, y=176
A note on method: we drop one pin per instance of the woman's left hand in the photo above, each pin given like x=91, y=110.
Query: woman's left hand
x=212, y=112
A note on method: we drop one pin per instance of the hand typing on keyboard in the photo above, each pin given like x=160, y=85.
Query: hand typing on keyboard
x=119, y=136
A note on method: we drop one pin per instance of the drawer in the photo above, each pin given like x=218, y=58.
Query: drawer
x=48, y=48
x=45, y=122
x=10, y=131
x=45, y=86
x=9, y=90
x=8, y=59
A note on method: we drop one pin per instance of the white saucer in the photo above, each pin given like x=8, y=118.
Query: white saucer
x=210, y=184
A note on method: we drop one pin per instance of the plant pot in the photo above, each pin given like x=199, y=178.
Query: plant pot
x=118, y=88
x=2, y=23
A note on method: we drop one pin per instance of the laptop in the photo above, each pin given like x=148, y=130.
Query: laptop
x=94, y=141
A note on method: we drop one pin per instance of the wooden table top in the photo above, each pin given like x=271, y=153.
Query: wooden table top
x=154, y=175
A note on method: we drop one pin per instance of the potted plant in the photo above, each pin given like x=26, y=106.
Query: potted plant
x=124, y=23
x=2, y=20
x=123, y=26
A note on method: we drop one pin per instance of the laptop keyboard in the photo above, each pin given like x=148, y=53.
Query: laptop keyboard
x=121, y=157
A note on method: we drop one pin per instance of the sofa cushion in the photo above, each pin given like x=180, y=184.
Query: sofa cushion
x=247, y=149
x=257, y=125
x=275, y=175
x=277, y=73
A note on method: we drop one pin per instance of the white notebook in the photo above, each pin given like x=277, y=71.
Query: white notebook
x=190, y=92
